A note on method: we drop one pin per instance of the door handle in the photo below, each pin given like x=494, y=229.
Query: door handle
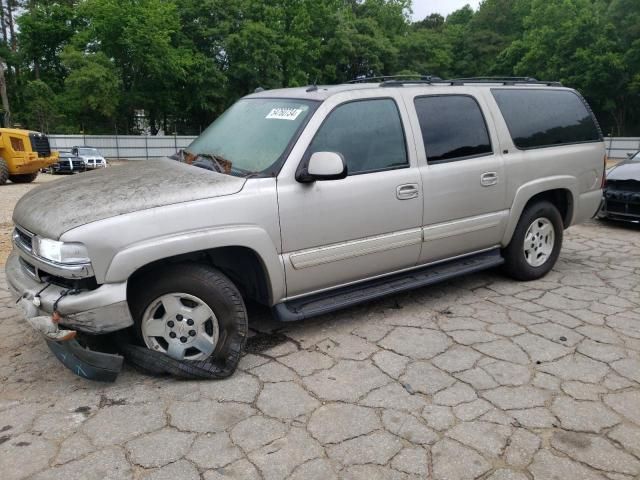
x=407, y=192
x=488, y=178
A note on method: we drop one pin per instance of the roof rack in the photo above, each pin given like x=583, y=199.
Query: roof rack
x=399, y=80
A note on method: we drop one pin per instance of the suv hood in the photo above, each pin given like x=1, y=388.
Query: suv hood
x=629, y=170
x=54, y=208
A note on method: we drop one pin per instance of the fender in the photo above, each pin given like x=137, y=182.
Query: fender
x=527, y=191
x=137, y=255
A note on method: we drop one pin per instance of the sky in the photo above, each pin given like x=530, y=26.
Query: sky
x=422, y=8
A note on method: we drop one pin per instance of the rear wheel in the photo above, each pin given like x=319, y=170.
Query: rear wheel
x=23, y=178
x=536, y=242
x=192, y=320
x=4, y=171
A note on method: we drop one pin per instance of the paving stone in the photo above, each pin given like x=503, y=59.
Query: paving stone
x=506, y=329
x=628, y=436
x=546, y=381
x=455, y=395
x=24, y=455
x=238, y=388
x=506, y=474
x=207, y=416
x=522, y=446
x=583, y=391
x=119, y=423
x=477, y=378
x=425, y=378
x=454, y=461
x=371, y=472
x=346, y=381
x=337, y=422
x=540, y=349
x=626, y=404
x=377, y=448
x=274, y=372
x=576, y=367
x=488, y=438
x=18, y=419
x=159, y=448
x=257, y=431
x=181, y=469
x=521, y=397
x=390, y=363
x=628, y=368
x=547, y=466
x=213, y=450
x=471, y=337
x=349, y=347
x=583, y=416
x=614, y=382
x=596, y=452
x=456, y=359
x=416, y=343
x=534, y=417
x=411, y=460
x=408, y=427
x=73, y=447
x=472, y=410
x=504, y=350
x=279, y=458
x=318, y=469
x=599, y=334
x=559, y=302
x=285, y=400
x=240, y=470
x=556, y=333
x=438, y=417
x=394, y=396
x=305, y=362
x=506, y=373
x=105, y=464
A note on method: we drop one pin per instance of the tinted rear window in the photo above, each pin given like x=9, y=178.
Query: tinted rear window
x=544, y=118
x=453, y=128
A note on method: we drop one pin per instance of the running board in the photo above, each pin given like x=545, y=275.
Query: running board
x=325, y=302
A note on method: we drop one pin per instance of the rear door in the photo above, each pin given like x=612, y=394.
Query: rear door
x=340, y=231
x=463, y=175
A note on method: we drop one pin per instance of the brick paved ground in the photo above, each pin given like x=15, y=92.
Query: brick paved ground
x=478, y=378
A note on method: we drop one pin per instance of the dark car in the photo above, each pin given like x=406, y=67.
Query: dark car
x=67, y=163
x=622, y=193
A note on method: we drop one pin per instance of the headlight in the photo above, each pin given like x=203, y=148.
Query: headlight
x=60, y=252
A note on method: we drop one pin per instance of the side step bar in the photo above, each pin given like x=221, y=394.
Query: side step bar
x=325, y=302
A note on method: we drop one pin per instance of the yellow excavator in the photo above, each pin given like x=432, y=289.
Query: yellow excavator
x=22, y=154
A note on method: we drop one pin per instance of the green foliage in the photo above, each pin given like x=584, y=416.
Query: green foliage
x=92, y=64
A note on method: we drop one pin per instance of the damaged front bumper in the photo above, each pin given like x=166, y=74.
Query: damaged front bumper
x=98, y=311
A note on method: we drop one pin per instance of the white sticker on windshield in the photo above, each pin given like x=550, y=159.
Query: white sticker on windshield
x=284, y=113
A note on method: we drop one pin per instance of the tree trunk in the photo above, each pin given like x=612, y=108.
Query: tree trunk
x=14, y=44
x=3, y=21
x=5, y=98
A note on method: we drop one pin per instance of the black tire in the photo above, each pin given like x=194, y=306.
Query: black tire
x=23, y=178
x=516, y=265
x=219, y=293
x=4, y=171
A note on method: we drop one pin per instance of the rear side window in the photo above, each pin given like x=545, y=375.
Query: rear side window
x=453, y=128
x=544, y=118
x=368, y=134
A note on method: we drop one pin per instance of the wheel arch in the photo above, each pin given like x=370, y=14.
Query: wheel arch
x=560, y=191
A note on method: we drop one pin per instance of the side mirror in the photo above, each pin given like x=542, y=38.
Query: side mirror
x=323, y=166
x=630, y=155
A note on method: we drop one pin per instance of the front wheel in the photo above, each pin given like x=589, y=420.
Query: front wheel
x=536, y=242
x=23, y=177
x=192, y=320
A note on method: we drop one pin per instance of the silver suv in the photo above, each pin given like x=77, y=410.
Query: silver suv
x=312, y=199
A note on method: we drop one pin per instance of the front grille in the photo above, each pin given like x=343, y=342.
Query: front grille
x=24, y=238
x=78, y=164
x=40, y=144
x=624, y=185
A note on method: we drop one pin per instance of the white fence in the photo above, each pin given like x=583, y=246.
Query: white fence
x=618, y=148
x=132, y=147
x=137, y=147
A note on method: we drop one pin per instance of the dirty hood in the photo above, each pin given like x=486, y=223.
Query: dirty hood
x=54, y=208
x=629, y=170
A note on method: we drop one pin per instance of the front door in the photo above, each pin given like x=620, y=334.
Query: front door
x=340, y=231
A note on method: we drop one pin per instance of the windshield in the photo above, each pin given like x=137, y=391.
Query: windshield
x=88, y=151
x=253, y=134
x=636, y=157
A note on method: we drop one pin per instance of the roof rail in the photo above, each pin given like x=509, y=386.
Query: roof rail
x=503, y=80
x=398, y=78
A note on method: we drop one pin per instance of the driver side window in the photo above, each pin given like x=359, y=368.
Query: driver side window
x=367, y=133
